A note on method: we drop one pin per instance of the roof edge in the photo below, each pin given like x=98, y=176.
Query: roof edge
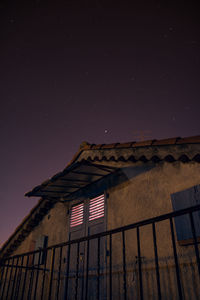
x=42, y=204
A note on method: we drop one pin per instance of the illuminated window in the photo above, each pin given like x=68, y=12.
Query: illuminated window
x=96, y=208
x=76, y=215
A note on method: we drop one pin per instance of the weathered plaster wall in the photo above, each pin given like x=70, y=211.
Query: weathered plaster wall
x=54, y=225
x=148, y=194
x=145, y=196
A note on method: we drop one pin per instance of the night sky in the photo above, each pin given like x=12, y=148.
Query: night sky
x=73, y=71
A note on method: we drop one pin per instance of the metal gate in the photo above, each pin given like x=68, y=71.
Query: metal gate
x=129, y=273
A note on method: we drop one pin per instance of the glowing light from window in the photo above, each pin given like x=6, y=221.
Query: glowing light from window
x=96, y=208
x=76, y=215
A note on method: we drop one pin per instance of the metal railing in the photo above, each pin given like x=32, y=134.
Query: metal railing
x=128, y=262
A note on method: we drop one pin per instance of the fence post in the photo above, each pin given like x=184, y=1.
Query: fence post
x=51, y=272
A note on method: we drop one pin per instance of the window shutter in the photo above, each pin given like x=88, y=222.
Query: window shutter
x=96, y=208
x=41, y=242
x=184, y=199
x=76, y=217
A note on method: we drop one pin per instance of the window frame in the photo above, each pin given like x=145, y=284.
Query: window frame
x=184, y=199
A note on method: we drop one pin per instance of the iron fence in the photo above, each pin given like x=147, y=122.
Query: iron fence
x=143, y=260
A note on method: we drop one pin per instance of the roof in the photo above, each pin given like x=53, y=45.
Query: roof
x=84, y=170
x=71, y=180
x=85, y=146
x=95, y=162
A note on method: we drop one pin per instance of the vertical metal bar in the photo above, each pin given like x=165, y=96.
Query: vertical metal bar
x=30, y=283
x=10, y=277
x=98, y=269
x=139, y=263
x=195, y=241
x=67, y=273
x=37, y=275
x=25, y=275
x=156, y=260
x=51, y=272
x=5, y=280
x=14, y=278
x=2, y=270
x=176, y=259
x=110, y=268
x=124, y=264
x=77, y=269
x=19, y=278
x=82, y=273
x=87, y=269
x=59, y=271
x=44, y=272
x=31, y=277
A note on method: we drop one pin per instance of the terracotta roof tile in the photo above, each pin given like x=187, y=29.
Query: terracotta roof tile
x=96, y=147
x=124, y=145
x=189, y=140
x=143, y=143
x=101, y=146
x=110, y=146
x=170, y=141
x=84, y=145
x=92, y=146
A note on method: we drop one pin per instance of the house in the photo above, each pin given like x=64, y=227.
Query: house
x=121, y=221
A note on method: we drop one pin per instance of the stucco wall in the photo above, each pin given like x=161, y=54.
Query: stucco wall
x=148, y=194
x=145, y=196
x=54, y=225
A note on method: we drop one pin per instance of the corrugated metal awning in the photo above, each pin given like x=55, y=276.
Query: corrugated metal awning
x=71, y=179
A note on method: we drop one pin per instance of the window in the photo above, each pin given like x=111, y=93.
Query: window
x=184, y=199
x=87, y=211
x=76, y=217
x=96, y=208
